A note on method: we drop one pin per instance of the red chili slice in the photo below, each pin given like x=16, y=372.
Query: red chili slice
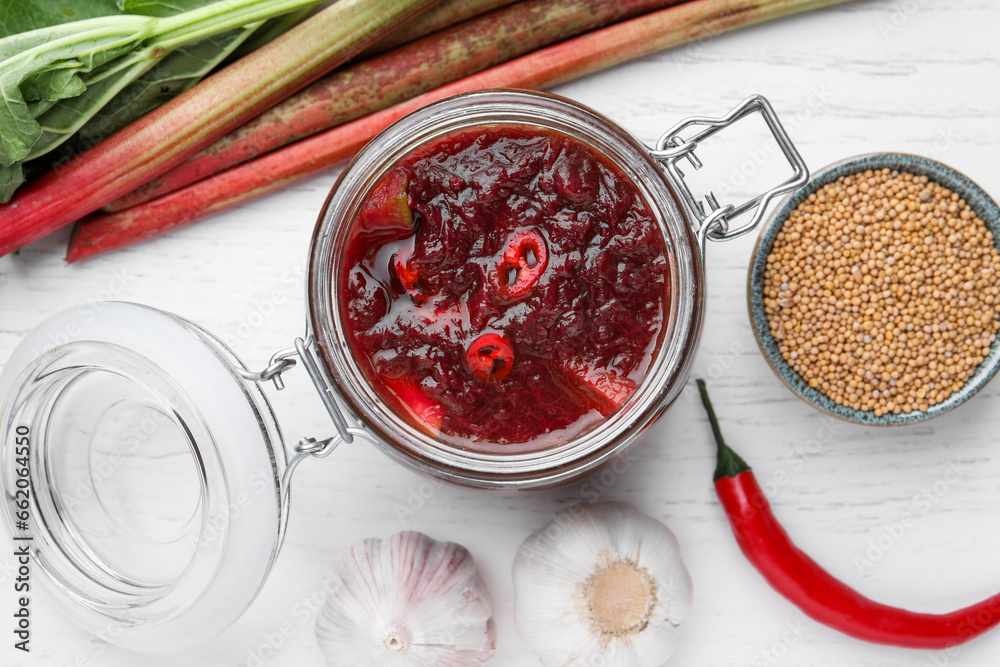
x=408, y=274
x=522, y=264
x=427, y=411
x=605, y=387
x=490, y=357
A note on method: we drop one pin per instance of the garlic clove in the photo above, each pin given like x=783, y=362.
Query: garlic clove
x=407, y=601
x=601, y=582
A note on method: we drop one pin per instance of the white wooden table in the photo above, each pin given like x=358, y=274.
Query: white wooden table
x=916, y=76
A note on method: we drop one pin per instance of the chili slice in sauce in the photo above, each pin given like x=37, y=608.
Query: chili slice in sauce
x=814, y=590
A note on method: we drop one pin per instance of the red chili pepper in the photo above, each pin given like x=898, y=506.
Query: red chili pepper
x=408, y=274
x=428, y=412
x=814, y=590
x=522, y=264
x=490, y=357
x=605, y=387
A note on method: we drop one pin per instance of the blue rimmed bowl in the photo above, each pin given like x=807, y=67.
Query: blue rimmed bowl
x=974, y=196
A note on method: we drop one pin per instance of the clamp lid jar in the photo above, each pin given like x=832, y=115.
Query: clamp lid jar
x=444, y=141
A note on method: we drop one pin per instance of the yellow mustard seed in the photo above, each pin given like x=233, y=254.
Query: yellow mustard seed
x=882, y=290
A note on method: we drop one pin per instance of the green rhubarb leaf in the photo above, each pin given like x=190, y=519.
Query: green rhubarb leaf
x=54, y=85
x=50, y=72
x=10, y=179
x=28, y=93
x=18, y=129
x=17, y=16
x=12, y=45
x=120, y=92
x=63, y=120
x=161, y=7
x=90, y=78
x=38, y=107
x=170, y=77
x=175, y=74
x=51, y=79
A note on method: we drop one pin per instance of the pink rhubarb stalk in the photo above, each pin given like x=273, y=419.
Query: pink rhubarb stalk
x=547, y=67
x=394, y=77
x=165, y=137
x=444, y=15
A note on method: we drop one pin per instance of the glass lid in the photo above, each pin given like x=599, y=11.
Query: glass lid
x=142, y=470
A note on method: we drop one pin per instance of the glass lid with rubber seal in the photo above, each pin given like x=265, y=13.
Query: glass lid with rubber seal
x=143, y=470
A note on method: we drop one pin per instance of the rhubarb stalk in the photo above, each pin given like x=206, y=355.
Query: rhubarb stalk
x=547, y=67
x=394, y=77
x=165, y=137
x=444, y=15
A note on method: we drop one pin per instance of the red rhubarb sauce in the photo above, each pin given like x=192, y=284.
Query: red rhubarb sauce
x=505, y=288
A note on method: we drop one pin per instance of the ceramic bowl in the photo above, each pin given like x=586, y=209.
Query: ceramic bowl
x=973, y=195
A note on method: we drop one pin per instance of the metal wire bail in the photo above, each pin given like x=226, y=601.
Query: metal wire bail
x=306, y=447
x=280, y=362
x=715, y=221
x=283, y=360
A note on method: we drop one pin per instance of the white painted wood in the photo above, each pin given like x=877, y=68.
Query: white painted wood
x=907, y=75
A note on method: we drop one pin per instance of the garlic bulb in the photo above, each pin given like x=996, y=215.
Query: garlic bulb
x=407, y=601
x=602, y=584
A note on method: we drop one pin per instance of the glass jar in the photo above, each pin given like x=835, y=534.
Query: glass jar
x=142, y=463
x=682, y=223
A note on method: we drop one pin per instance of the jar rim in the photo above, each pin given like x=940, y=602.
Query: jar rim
x=581, y=453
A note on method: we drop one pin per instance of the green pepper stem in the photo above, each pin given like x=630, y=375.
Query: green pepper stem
x=729, y=462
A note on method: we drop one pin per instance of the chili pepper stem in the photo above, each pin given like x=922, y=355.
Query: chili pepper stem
x=729, y=463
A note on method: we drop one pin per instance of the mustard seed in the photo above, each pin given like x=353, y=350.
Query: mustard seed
x=882, y=290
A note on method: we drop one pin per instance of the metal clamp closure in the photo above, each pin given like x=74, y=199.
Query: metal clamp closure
x=280, y=362
x=306, y=447
x=715, y=224
x=302, y=348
